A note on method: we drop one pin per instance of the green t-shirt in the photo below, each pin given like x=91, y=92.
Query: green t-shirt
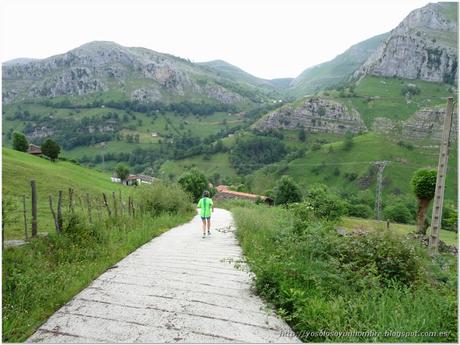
x=205, y=205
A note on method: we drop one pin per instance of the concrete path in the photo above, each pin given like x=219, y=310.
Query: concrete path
x=178, y=287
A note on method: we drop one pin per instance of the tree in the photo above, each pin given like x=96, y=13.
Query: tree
x=423, y=184
x=286, y=191
x=326, y=205
x=51, y=149
x=122, y=171
x=193, y=182
x=302, y=135
x=348, y=141
x=20, y=142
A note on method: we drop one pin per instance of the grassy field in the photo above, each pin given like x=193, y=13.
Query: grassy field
x=382, y=97
x=46, y=272
x=320, y=281
x=330, y=164
x=137, y=123
x=20, y=168
x=350, y=224
x=217, y=163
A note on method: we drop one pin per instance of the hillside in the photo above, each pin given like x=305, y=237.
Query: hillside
x=351, y=170
x=337, y=70
x=423, y=46
x=20, y=168
x=111, y=71
x=237, y=75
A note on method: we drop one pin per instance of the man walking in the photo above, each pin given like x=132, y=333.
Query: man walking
x=206, y=205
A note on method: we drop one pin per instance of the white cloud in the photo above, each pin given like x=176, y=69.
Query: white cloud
x=271, y=38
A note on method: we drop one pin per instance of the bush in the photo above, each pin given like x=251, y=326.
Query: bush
x=398, y=213
x=286, y=191
x=319, y=280
x=359, y=210
x=348, y=141
x=383, y=255
x=162, y=197
x=193, y=182
x=450, y=218
x=326, y=205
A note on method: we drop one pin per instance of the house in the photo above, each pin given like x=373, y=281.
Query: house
x=223, y=193
x=34, y=150
x=146, y=179
x=134, y=180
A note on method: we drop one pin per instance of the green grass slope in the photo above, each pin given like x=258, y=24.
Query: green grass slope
x=383, y=97
x=335, y=71
x=331, y=164
x=20, y=168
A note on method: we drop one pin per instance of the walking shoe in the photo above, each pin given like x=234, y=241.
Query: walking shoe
x=204, y=236
x=209, y=233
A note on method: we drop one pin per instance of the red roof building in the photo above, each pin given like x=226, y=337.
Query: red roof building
x=34, y=150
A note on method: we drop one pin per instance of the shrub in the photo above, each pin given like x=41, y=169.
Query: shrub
x=398, y=213
x=359, y=210
x=449, y=218
x=326, y=205
x=348, y=141
x=410, y=90
x=351, y=176
x=286, y=191
x=164, y=198
x=193, y=182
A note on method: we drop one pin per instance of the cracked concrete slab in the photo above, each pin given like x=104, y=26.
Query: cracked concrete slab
x=177, y=288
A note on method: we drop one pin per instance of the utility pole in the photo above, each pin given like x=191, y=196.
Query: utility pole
x=378, y=196
x=441, y=178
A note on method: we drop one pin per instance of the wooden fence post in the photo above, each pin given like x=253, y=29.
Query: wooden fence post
x=106, y=204
x=88, y=202
x=115, y=211
x=121, y=204
x=25, y=216
x=56, y=223
x=71, y=200
x=59, y=209
x=388, y=224
x=34, y=208
x=129, y=206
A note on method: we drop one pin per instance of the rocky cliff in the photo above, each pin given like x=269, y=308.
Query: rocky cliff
x=315, y=115
x=428, y=123
x=423, y=46
x=425, y=124
x=134, y=73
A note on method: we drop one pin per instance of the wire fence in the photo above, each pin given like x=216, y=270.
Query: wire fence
x=51, y=210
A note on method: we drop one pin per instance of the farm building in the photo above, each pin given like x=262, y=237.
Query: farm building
x=223, y=193
x=34, y=150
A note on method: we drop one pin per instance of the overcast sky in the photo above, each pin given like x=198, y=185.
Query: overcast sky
x=267, y=38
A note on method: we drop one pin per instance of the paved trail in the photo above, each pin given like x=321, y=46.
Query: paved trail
x=176, y=288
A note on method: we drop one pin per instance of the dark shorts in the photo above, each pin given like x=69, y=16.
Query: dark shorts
x=203, y=218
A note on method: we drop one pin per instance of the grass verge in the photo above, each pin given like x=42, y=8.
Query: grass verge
x=320, y=281
x=41, y=276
